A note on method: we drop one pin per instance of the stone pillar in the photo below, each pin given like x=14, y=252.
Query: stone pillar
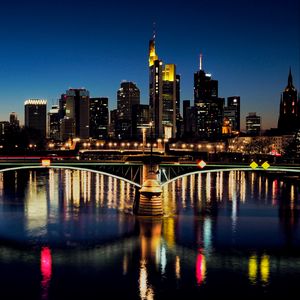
x=149, y=202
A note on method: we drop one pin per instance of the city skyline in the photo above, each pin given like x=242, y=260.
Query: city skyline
x=251, y=60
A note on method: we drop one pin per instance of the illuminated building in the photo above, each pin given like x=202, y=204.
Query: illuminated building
x=253, y=124
x=99, y=118
x=169, y=92
x=179, y=119
x=289, y=115
x=164, y=88
x=77, y=112
x=36, y=115
x=54, y=123
x=209, y=107
x=233, y=112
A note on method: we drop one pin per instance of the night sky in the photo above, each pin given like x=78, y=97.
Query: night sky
x=50, y=46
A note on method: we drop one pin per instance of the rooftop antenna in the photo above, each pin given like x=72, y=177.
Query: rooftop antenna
x=200, y=65
x=154, y=30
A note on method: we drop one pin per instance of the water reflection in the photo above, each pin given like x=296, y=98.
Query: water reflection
x=46, y=271
x=237, y=231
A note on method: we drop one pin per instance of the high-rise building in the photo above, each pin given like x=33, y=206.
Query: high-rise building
x=36, y=115
x=179, y=120
x=54, y=123
x=253, y=124
x=209, y=107
x=289, y=115
x=99, y=118
x=140, y=120
x=127, y=96
x=169, y=93
x=13, y=119
x=164, y=87
x=234, y=109
x=186, y=104
x=77, y=112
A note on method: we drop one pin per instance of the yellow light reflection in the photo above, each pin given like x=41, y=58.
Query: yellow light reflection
x=265, y=268
x=177, y=267
x=252, y=269
x=146, y=291
x=169, y=231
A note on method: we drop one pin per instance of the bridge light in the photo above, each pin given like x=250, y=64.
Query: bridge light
x=191, y=145
x=265, y=165
x=136, y=144
x=201, y=164
x=122, y=144
x=97, y=144
x=46, y=162
x=253, y=165
x=128, y=144
x=109, y=144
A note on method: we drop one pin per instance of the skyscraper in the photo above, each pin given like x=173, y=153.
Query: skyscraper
x=289, y=115
x=234, y=106
x=99, y=118
x=164, y=87
x=77, y=112
x=54, y=123
x=128, y=95
x=140, y=121
x=169, y=92
x=36, y=115
x=253, y=124
x=208, y=106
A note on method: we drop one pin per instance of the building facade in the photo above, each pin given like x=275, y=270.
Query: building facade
x=99, y=118
x=54, y=123
x=36, y=115
x=253, y=124
x=77, y=112
x=164, y=99
x=209, y=107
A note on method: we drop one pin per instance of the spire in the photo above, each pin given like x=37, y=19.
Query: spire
x=200, y=66
x=290, y=79
x=154, y=31
x=152, y=54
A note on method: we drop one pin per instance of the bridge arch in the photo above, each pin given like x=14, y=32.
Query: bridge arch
x=229, y=170
x=70, y=168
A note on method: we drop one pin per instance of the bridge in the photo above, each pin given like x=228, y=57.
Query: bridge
x=134, y=172
x=149, y=179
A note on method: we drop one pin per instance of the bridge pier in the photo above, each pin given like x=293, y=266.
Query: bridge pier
x=149, y=201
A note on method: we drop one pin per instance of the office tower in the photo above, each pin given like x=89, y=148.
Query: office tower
x=127, y=96
x=99, y=118
x=13, y=119
x=164, y=88
x=209, y=107
x=62, y=104
x=113, y=116
x=54, y=123
x=155, y=89
x=234, y=110
x=253, y=124
x=186, y=104
x=4, y=131
x=36, y=115
x=179, y=119
x=289, y=115
x=77, y=114
x=140, y=120
x=169, y=92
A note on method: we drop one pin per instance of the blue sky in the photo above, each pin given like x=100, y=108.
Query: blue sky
x=49, y=46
